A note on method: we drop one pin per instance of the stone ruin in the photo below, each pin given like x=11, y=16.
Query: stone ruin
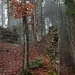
x=8, y=35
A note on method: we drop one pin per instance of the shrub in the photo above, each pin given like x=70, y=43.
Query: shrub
x=36, y=63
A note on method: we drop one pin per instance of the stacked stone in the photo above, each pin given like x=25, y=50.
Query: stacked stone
x=7, y=35
x=51, y=47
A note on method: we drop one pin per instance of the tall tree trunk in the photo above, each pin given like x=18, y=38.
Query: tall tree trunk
x=26, y=46
x=34, y=38
x=8, y=13
x=33, y=33
x=2, y=13
x=35, y=22
x=39, y=19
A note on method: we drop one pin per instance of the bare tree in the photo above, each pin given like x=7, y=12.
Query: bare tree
x=2, y=13
x=39, y=19
x=8, y=13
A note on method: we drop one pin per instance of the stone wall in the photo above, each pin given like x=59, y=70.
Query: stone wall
x=8, y=35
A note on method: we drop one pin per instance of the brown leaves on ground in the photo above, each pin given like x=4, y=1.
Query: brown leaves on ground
x=45, y=69
x=11, y=57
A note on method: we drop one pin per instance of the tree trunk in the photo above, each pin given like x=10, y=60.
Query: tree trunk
x=8, y=13
x=2, y=13
x=39, y=20
x=26, y=46
x=33, y=33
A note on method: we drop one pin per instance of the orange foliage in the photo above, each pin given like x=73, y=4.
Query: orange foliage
x=39, y=71
x=45, y=62
x=19, y=10
x=42, y=70
x=46, y=68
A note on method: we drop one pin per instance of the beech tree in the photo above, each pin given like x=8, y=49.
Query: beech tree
x=23, y=10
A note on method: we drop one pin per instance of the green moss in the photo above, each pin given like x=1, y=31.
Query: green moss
x=35, y=63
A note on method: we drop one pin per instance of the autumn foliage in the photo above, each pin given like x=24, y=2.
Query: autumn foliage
x=19, y=9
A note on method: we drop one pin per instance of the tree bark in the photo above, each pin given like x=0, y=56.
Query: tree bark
x=2, y=13
x=26, y=46
x=39, y=19
x=8, y=13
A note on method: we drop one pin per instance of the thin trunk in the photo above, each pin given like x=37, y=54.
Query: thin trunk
x=2, y=13
x=8, y=13
x=58, y=25
x=26, y=46
x=32, y=27
x=35, y=23
x=35, y=26
x=39, y=19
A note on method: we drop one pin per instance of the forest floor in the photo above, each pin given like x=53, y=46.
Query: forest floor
x=11, y=57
